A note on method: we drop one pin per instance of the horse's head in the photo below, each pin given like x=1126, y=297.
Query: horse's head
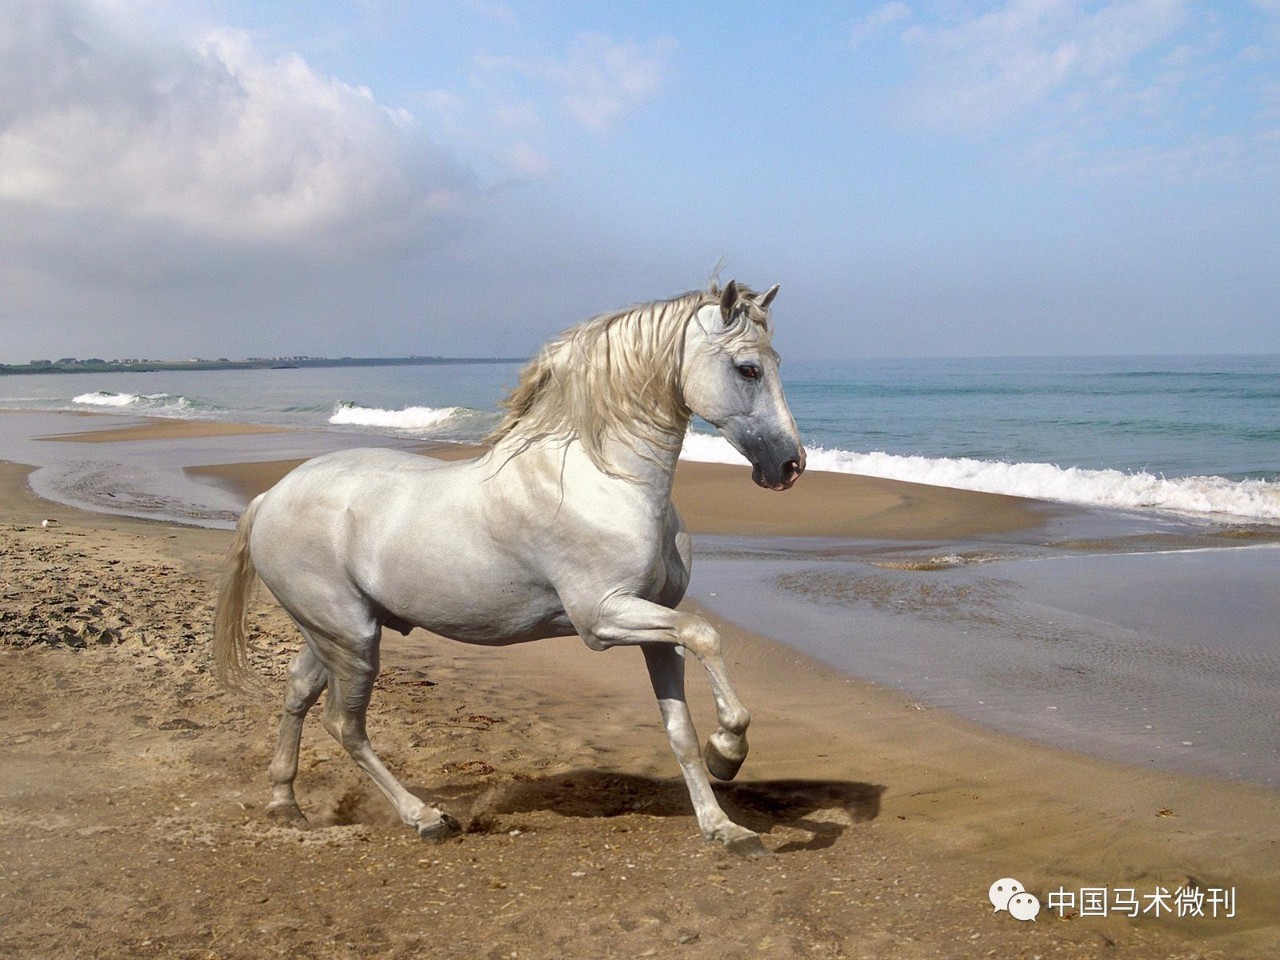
x=730, y=379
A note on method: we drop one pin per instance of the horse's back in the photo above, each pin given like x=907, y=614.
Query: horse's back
x=352, y=476
x=310, y=531
x=361, y=464
x=334, y=499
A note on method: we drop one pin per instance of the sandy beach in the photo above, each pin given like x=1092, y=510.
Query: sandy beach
x=131, y=805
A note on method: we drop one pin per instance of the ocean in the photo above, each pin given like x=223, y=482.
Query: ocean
x=1139, y=625
x=1197, y=436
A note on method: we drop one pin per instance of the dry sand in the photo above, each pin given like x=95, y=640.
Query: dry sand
x=131, y=821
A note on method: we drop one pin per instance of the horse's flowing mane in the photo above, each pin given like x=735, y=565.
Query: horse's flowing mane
x=617, y=375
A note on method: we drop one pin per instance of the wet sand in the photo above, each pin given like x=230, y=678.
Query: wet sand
x=889, y=821
x=157, y=429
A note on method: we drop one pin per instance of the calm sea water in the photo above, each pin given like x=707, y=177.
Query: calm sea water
x=1196, y=435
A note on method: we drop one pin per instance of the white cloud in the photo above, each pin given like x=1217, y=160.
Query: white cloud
x=527, y=163
x=877, y=20
x=602, y=79
x=1112, y=89
x=500, y=13
x=598, y=79
x=994, y=67
x=517, y=115
x=208, y=137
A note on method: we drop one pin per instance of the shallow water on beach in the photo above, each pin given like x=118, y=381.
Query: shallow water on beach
x=1167, y=658
x=143, y=478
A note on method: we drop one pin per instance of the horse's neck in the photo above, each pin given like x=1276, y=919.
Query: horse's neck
x=646, y=462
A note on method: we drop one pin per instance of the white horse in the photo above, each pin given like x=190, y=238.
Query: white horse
x=564, y=526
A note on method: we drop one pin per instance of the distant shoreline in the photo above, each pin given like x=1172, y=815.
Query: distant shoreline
x=253, y=363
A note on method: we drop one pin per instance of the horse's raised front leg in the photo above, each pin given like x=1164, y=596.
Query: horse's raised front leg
x=629, y=620
x=353, y=668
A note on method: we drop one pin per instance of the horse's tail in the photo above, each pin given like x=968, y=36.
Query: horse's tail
x=230, y=619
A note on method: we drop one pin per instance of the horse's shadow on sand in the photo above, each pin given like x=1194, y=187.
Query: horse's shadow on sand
x=822, y=808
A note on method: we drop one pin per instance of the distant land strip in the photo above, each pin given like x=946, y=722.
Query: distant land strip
x=94, y=365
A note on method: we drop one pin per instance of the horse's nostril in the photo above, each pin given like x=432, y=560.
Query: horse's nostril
x=792, y=469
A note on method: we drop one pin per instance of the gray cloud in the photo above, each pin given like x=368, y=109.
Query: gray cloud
x=205, y=139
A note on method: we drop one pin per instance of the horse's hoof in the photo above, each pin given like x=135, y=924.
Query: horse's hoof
x=720, y=765
x=288, y=814
x=442, y=829
x=749, y=846
x=752, y=848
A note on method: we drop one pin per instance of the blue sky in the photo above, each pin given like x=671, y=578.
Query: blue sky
x=224, y=177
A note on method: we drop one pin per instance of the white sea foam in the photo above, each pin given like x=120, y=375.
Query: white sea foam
x=149, y=404
x=105, y=398
x=452, y=422
x=1256, y=500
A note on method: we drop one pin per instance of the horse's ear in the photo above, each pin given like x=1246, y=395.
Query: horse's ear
x=768, y=297
x=728, y=299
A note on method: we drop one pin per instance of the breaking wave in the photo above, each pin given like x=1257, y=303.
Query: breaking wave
x=143, y=404
x=1239, y=500
x=453, y=423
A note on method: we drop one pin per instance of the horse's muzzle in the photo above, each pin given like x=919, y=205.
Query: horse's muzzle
x=782, y=476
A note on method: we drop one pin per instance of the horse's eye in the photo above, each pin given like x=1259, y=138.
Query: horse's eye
x=749, y=371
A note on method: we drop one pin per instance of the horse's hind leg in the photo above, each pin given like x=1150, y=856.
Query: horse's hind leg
x=353, y=668
x=307, y=678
